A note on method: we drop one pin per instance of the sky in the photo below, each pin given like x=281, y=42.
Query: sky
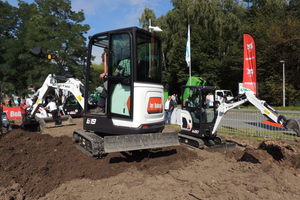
x=105, y=15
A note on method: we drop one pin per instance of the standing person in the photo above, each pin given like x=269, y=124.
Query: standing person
x=23, y=108
x=19, y=101
x=28, y=101
x=174, y=98
x=10, y=103
x=52, y=107
x=169, y=107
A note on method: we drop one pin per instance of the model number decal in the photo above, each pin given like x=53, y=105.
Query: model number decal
x=91, y=121
x=195, y=131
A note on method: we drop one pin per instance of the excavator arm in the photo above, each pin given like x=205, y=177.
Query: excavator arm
x=48, y=83
x=72, y=85
x=262, y=106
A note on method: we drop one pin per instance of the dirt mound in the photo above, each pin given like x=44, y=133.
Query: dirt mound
x=39, y=163
x=13, y=192
x=287, y=153
x=255, y=156
x=284, y=153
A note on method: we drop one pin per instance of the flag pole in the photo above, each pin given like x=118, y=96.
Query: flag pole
x=190, y=73
x=188, y=54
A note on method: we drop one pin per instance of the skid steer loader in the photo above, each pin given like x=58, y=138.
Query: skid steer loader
x=133, y=118
x=200, y=121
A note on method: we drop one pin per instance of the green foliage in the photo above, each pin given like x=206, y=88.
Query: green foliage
x=147, y=15
x=217, y=29
x=49, y=24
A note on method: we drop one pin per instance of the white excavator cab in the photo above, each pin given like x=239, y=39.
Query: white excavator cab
x=127, y=113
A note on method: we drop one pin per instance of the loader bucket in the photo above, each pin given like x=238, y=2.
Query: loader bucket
x=293, y=125
x=48, y=122
x=139, y=141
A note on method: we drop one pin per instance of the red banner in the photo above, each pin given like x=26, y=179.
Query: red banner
x=13, y=112
x=249, y=77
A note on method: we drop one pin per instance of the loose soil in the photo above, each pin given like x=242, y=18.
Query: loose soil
x=48, y=166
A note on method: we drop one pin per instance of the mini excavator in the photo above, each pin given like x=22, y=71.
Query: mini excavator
x=133, y=118
x=66, y=87
x=37, y=116
x=200, y=121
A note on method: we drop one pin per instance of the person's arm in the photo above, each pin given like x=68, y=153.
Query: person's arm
x=172, y=105
x=103, y=75
x=47, y=106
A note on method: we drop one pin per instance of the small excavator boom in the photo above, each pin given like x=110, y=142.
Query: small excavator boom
x=262, y=106
x=71, y=85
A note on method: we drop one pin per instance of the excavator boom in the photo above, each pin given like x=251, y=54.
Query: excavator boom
x=262, y=106
x=42, y=119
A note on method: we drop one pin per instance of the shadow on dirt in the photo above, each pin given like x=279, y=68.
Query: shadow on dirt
x=274, y=150
x=248, y=157
x=138, y=156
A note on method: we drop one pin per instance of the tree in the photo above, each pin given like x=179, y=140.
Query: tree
x=215, y=35
x=8, y=27
x=55, y=27
x=146, y=16
x=276, y=29
x=217, y=27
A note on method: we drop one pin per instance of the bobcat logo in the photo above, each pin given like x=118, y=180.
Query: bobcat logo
x=250, y=72
x=250, y=46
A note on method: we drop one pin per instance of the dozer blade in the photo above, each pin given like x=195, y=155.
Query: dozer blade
x=293, y=125
x=48, y=122
x=139, y=141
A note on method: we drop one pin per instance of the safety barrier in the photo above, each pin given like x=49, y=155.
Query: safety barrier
x=247, y=122
x=13, y=112
x=250, y=123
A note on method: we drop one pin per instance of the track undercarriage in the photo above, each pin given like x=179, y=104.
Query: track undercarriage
x=218, y=142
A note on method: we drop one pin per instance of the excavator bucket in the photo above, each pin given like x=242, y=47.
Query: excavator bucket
x=48, y=122
x=293, y=125
x=139, y=141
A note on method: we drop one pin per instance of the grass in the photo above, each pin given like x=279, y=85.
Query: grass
x=291, y=108
x=252, y=133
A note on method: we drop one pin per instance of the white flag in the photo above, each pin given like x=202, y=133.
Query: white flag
x=188, y=49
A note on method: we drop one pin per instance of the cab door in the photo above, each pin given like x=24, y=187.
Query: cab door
x=192, y=103
x=120, y=90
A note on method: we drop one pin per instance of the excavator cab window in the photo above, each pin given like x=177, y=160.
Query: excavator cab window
x=94, y=86
x=198, y=101
x=148, y=58
x=120, y=70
